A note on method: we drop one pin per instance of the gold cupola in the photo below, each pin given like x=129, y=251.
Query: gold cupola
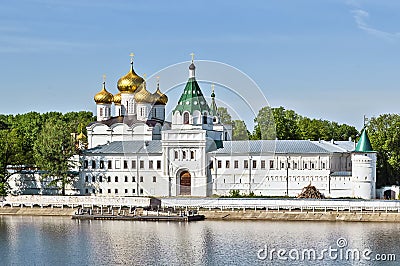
x=117, y=98
x=131, y=81
x=103, y=97
x=142, y=95
x=159, y=97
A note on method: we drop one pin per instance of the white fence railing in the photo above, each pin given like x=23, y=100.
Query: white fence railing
x=283, y=204
x=74, y=201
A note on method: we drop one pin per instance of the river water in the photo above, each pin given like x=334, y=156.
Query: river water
x=26, y=240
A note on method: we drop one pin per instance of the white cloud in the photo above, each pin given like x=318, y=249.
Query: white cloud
x=361, y=18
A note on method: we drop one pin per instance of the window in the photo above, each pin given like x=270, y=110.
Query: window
x=227, y=164
x=100, y=178
x=117, y=164
x=246, y=164
x=93, y=179
x=109, y=179
x=116, y=179
x=305, y=166
x=176, y=155
x=150, y=164
x=262, y=164
x=109, y=191
x=141, y=191
x=141, y=179
x=186, y=118
x=101, y=164
x=116, y=191
x=154, y=179
x=133, y=179
x=86, y=191
x=86, y=179
x=85, y=164
x=125, y=164
x=133, y=164
x=158, y=164
x=93, y=164
x=271, y=164
x=93, y=191
x=101, y=111
x=141, y=164
x=323, y=165
x=184, y=155
x=192, y=155
x=109, y=164
x=254, y=164
x=204, y=119
x=100, y=191
x=236, y=164
x=126, y=178
x=295, y=165
x=126, y=191
x=211, y=165
x=282, y=165
x=219, y=163
x=312, y=165
x=133, y=191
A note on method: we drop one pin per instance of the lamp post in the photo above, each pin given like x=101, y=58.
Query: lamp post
x=250, y=164
x=287, y=175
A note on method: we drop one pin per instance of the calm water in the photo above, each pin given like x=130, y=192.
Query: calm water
x=61, y=241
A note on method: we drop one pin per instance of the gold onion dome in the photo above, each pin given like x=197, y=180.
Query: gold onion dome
x=143, y=96
x=160, y=98
x=117, y=98
x=103, y=97
x=130, y=82
x=81, y=136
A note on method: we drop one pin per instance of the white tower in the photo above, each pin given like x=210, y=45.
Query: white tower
x=364, y=169
x=103, y=101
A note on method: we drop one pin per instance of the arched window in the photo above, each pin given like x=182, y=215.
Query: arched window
x=186, y=118
x=204, y=119
x=184, y=155
x=192, y=155
x=176, y=155
x=101, y=111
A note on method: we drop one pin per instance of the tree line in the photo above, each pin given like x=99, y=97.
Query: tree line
x=39, y=141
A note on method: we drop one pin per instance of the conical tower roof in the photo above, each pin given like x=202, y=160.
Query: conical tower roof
x=192, y=97
x=364, y=144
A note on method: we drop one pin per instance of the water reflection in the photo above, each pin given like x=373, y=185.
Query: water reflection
x=58, y=240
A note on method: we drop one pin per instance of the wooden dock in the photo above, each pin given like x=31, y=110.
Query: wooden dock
x=171, y=218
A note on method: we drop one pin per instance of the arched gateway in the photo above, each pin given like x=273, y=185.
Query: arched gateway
x=185, y=183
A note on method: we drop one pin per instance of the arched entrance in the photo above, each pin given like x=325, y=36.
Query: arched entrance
x=185, y=183
x=389, y=194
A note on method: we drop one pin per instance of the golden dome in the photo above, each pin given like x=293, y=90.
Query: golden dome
x=103, y=97
x=117, y=98
x=130, y=82
x=159, y=97
x=81, y=136
x=143, y=96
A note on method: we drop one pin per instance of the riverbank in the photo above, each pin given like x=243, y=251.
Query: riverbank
x=300, y=216
x=38, y=211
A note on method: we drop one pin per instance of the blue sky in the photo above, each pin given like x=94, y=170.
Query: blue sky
x=335, y=60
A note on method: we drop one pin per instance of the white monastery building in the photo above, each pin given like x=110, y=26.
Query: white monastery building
x=137, y=153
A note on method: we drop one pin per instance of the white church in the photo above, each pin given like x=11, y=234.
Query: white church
x=137, y=153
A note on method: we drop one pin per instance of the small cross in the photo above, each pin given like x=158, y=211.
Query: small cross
x=158, y=81
x=104, y=78
x=212, y=87
x=132, y=55
x=192, y=54
x=145, y=76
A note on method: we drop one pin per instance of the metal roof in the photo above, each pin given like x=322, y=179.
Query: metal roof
x=232, y=147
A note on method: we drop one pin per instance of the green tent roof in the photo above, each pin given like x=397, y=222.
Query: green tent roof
x=364, y=145
x=192, y=99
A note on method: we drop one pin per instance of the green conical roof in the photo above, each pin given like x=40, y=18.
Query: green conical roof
x=364, y=145
x=192, y=99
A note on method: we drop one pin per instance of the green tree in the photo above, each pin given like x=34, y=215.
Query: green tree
x=11, y=151
x=53, y=150
x=384, y=133
x=239, y=130
x=265, y=125
x=224, y=115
